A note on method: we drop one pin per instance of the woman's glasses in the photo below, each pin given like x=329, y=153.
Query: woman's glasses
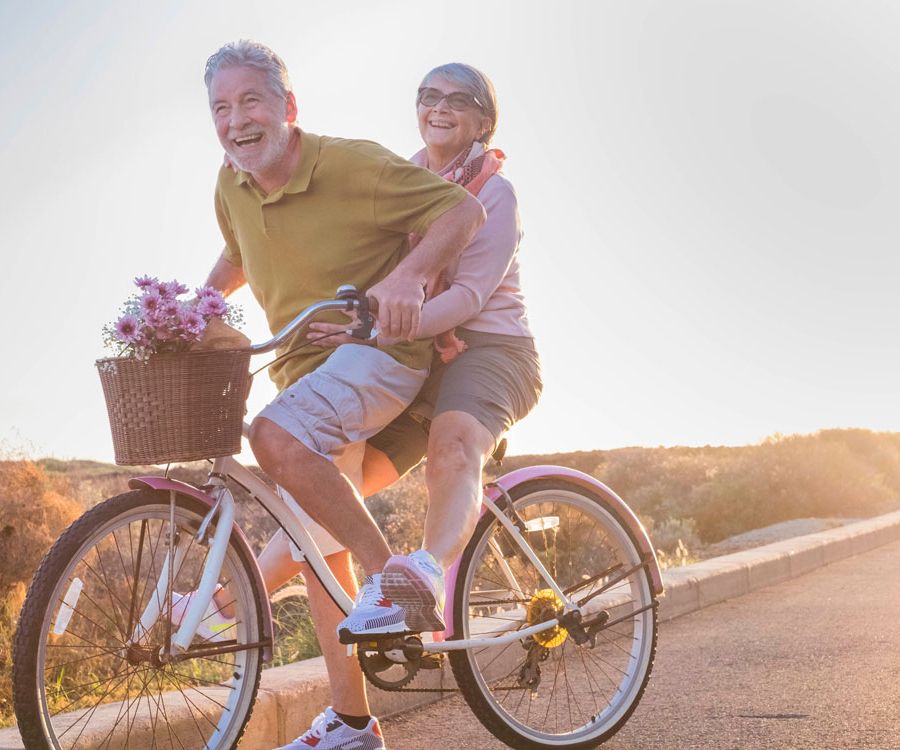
x=456, y=100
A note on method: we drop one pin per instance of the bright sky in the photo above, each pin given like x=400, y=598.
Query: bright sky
x=709, y=191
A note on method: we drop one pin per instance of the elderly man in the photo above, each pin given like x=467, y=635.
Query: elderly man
x=303, y=215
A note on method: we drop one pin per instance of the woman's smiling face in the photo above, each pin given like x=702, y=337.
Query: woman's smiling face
x=447, y=131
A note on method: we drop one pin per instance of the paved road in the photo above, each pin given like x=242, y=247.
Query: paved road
x=810, y=663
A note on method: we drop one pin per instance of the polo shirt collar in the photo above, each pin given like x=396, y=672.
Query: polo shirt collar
x=299, y=182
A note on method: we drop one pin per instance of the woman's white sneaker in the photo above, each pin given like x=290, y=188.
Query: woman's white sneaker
x=416, y=583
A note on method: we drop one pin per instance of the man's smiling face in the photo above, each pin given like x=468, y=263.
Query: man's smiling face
x=253, y=121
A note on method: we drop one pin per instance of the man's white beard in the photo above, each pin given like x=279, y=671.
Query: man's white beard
x=275, y=150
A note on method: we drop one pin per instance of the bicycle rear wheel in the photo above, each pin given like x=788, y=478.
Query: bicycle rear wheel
x=546, y=691
x=81, y=679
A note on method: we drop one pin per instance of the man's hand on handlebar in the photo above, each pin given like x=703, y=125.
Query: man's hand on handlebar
x=399, y=306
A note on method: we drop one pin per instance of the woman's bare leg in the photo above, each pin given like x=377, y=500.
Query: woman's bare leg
x=458, y=447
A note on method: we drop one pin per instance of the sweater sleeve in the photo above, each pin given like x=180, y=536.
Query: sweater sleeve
x=483, y=264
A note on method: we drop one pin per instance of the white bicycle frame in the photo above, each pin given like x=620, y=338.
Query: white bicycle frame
x=280, y=508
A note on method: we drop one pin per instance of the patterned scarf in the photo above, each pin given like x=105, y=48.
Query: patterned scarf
x=471, y=169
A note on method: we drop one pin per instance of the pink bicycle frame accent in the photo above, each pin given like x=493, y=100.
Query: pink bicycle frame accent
x=616, y=504
x=173, y=485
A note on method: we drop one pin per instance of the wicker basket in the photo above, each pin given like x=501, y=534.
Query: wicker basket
x=176, y=407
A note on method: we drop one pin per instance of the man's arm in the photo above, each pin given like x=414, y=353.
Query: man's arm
x=225, y=276
x=400, y=295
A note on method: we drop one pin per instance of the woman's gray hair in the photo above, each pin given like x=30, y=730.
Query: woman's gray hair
x=254, y=55
x=473, y=82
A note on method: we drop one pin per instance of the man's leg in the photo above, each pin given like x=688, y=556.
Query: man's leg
x=320, y=489
x=458, y=447
x=348, y=687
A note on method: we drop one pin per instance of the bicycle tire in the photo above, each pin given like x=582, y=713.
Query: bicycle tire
x=75, y=682
x=588, y=540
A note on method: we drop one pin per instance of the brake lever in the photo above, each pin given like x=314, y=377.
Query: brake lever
x=364, y=309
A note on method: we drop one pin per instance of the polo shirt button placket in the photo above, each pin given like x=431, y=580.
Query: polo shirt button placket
x=268, y=225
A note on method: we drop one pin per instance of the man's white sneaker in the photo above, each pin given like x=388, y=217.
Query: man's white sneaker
x=416, y=583
x=373, y=614
x=328, y=732
x=213, y=625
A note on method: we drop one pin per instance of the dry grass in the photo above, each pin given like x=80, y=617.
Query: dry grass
x=687, y=497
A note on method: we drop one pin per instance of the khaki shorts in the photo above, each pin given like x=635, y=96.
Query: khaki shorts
x=337, y=407
x=497, y=380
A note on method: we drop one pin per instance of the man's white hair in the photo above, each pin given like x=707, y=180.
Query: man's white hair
x=254, y=55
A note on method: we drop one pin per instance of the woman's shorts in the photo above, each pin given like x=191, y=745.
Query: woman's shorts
x=497, y=380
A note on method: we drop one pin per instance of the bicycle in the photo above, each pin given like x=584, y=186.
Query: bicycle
x=552, y=611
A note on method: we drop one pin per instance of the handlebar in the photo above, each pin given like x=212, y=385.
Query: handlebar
x=347, y=299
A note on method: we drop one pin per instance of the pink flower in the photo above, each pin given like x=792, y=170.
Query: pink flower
x=128, y=329
x=155, y=321
x=212, y=307
x=192, y=322
x=146, y=282
x=171, y=289
x=151, y=302
x=169, y=308
x=207, y=291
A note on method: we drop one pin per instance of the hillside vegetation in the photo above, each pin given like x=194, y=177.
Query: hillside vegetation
x=686, y=497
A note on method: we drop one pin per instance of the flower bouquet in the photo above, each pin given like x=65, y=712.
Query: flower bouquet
x=169, y=394
x=155, y=321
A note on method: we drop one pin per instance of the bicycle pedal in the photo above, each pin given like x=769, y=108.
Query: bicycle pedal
x=370, y=640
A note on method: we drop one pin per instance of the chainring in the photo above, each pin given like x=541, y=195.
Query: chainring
x=375, y=665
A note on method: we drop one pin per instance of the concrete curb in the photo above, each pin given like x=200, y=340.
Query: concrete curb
x=291, y=696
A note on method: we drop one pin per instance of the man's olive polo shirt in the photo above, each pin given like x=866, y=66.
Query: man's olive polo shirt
x=343, y=218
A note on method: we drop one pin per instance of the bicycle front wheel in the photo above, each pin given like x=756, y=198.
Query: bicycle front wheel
x=88, y=674
x=545, y=690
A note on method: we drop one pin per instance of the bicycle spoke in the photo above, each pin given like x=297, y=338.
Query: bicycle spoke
x=123, y=704
x=109, y=590
x=97, y=625
x=587, y=673
x=199, y=710
x=586, y=553
x=86, y=692
x=137, y=570
x=90, y=714
x=162, y=704
x=553, y=693
x=194, y=688
x=209, y=683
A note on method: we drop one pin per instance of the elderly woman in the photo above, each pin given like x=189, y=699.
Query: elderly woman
x=486, y=377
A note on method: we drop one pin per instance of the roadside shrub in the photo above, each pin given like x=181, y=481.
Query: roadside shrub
x=34, y=509
x=726, y=491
